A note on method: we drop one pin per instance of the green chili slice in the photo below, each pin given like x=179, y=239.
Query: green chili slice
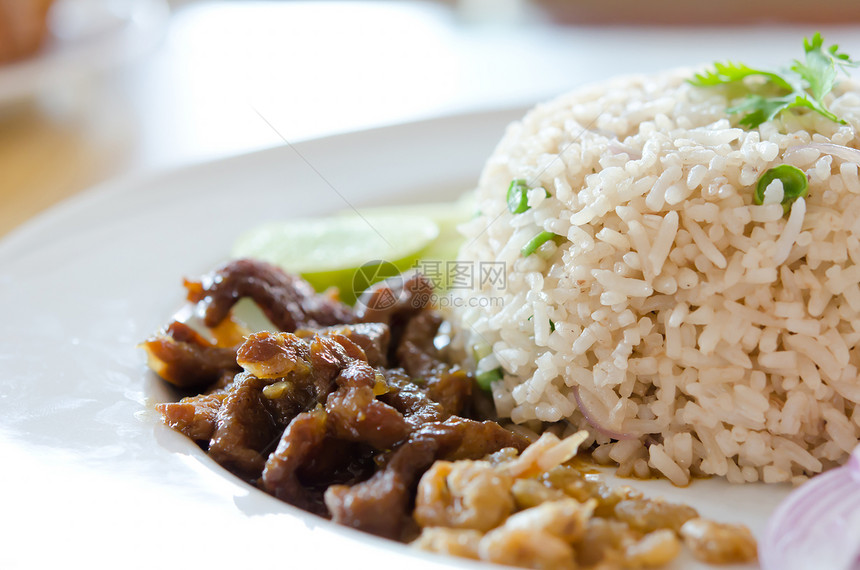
x=536, y=242
x=518, y=196
x=486, y=379
x=794, y=185
x=518, y=199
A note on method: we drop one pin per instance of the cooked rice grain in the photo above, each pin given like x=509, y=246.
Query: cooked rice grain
x=704, y=334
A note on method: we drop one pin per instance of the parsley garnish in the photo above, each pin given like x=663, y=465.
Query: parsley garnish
x=803, y=85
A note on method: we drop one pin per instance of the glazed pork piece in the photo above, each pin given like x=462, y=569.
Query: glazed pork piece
x=340, y=412
x=287, y=300
x=180, y=355
x=184, y=358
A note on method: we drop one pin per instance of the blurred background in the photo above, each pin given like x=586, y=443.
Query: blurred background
x=92, y=90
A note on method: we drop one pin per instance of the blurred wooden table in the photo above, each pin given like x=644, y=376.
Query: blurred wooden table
x=44, y=160
x=317, y=68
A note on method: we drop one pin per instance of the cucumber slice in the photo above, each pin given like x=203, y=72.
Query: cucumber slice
x=447, y=216
x=328, y=251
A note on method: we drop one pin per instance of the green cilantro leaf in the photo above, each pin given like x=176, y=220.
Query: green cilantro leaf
x=731, y=71
x=760, y=109
x=803, y=85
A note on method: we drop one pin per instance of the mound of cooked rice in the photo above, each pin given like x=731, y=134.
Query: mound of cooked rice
x=690, y=330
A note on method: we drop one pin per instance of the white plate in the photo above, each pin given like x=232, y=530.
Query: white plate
x=85, y=36
x=89, y=473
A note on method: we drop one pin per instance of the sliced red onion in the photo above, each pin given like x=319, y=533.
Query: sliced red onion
x=846, y=153
x=591, y=417
x=818, y=525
